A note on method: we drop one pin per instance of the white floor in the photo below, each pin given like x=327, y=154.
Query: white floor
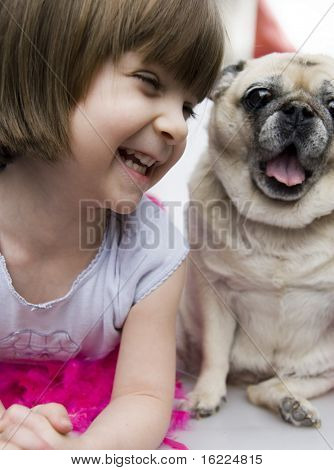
x=239, y=424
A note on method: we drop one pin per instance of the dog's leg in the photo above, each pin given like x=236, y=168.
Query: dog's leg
x=288, y=397
x=218, y=327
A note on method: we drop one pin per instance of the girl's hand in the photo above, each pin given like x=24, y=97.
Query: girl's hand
x=36, y=429
x=57, y=415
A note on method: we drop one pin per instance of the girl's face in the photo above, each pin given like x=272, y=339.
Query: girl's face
x=128, y=131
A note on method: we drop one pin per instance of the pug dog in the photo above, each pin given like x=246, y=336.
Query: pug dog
x=258, y=306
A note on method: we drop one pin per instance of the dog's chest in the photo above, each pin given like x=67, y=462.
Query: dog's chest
x=254, y=257
x=282, y=293
x=271, y=269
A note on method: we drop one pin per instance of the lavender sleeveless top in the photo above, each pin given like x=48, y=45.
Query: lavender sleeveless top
x=138, y=253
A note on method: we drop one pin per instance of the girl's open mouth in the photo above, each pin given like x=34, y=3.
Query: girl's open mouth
x=136, y=161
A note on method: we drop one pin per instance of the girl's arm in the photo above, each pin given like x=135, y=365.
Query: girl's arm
x=139, y=413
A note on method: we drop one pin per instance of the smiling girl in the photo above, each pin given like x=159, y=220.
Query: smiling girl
x=95, y=96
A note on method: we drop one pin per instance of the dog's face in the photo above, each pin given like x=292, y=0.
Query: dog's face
x=273, y=121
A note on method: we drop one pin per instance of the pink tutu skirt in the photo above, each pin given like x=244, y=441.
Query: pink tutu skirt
x=83, y=387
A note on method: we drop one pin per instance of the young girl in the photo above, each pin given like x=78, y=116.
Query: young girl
x=95, y=96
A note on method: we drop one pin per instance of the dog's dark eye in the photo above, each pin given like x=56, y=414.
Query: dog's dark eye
x=256, y=98
x=331, y=108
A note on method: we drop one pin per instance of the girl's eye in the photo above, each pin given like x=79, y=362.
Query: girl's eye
x=189, y=112
x=154, y=82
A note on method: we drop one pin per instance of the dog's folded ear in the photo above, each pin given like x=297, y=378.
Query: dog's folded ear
x=226, y=77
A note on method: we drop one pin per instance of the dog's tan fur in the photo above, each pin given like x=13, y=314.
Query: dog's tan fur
x=259, y=307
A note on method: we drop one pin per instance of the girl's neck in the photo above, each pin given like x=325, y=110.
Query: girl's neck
x=41, y=212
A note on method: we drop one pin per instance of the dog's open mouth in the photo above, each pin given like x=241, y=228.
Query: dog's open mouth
x=286, y=168
x=284, y=173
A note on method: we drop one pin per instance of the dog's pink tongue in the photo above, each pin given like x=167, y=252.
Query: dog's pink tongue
x=286, y=169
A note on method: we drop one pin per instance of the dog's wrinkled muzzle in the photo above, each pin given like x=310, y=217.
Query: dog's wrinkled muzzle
x=290, y=154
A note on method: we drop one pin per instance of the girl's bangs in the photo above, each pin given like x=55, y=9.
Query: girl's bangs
x=187, y=38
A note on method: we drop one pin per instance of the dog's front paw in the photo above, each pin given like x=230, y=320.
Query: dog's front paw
x=203, y=403
x=299, y=412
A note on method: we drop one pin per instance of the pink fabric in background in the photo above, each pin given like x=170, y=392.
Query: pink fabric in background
x=269, y=36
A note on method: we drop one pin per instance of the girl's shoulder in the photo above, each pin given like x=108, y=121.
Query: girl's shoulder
x=150, y=248
x=150, y=228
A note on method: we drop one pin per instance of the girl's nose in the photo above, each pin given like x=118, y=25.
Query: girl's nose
x=172, y=126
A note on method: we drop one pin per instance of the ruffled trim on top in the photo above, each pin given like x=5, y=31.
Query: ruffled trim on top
x=89, y=270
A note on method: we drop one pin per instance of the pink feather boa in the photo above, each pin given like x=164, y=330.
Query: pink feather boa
x=83, y=387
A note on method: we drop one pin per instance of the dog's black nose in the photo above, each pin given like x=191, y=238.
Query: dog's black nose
x=296, y=113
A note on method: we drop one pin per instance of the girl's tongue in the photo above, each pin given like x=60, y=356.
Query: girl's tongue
x=286, y=169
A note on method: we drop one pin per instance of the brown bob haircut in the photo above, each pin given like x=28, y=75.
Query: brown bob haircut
x=51, y=49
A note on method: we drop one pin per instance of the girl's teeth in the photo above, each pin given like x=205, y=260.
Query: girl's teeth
x=129, y=163
x=135, y=167
x=145, y=159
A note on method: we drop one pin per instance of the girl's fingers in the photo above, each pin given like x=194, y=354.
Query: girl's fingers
x=8, y=446
x=20, y=437
x=41, y=435
x=14, y=414
x=57, y=415
x=2, y=409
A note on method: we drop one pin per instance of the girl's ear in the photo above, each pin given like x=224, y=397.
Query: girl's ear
x=225, y=79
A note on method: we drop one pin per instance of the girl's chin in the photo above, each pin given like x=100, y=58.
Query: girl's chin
x=124, y=205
